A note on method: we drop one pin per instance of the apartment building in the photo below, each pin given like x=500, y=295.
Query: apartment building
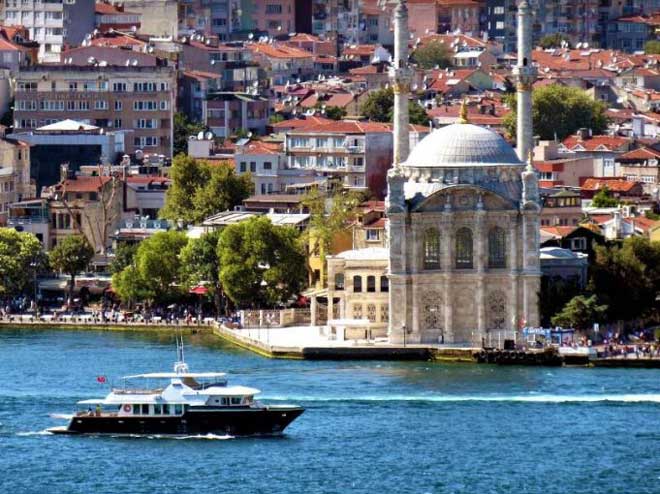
x=225, y=113
x=356, y=155
x=52, y=23
x=14, y=175
x=641, y=165
x=136, y=100
x=109, y=16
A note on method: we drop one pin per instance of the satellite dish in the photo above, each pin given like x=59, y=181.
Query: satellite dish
x=184, y=40
x=91, y=60
x=200, y=135
x=249, y=134
x=255, y=84
x=128, y=63
x=134, y=63
x=212, y=62
x=251, y=36
x=209, y=136
x=150, y=49
x=134, y=29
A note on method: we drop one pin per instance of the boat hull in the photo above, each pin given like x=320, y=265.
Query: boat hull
x=236, y=422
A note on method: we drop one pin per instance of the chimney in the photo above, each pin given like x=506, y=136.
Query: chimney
x=582, y=134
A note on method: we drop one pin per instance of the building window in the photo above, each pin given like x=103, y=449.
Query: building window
x=464, y=249
x=384, y=284
x=253, y=166
x=268, y=165
x=371, y=284
x=339, y=281
x=242, y=167
x=357, y=284
x=373, y=235
x=496, y=248
x=579, y=243
x=431, y=249
x=384, y=313
x=371, y=312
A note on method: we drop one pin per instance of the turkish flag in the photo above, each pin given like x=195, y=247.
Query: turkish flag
x=101, y=379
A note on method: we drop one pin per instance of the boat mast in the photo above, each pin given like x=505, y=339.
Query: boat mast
x=180, y=365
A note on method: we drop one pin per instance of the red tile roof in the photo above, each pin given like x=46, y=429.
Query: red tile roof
x=108, y=8
x=559, y=231
x=614, y=184
x=279, y=51
x=610, y=143
x=260, y=147
x=640, y=154
x=83, y=184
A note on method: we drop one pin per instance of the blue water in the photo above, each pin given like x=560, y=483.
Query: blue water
x=375, y=427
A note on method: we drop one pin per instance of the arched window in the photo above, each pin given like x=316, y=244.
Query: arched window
x=357, y=283
x=431, y=249
x=339, y=281
x=384, y=284
x=371, y=284
x=464, y=249
x=496, y=247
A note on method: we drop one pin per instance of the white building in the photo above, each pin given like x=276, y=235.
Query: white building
x=52, y=23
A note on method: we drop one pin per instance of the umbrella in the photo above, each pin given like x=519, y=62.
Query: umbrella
x=199, y=290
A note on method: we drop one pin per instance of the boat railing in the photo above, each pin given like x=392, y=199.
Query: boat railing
x=136, y=391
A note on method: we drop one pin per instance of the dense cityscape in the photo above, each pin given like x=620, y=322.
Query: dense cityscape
x=439, y=182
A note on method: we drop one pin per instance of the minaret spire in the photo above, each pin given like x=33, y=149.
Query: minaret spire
x=400, y=77
x=525, y=74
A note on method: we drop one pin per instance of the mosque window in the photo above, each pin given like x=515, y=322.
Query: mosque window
x=371, y=283
x=384, y=284
x=496, y=248
x=431, y=249
x=339, y=281
x=357, y=283
x=464, y=249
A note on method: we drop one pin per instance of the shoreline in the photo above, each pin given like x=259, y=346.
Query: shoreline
x=119, y=327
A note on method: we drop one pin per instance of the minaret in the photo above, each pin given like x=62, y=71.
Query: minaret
x=525, y=74
x=400, y=77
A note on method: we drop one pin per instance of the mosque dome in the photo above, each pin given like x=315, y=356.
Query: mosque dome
x=462, y=145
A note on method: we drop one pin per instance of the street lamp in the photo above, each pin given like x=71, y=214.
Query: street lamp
x=405, y=330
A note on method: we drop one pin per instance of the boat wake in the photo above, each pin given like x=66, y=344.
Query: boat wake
x=536, y=398
x=61, y=416
x=44, y=432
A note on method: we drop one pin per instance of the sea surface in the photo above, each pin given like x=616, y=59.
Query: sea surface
x=372, y=427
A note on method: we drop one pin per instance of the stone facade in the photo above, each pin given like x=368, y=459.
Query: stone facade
x=464, y=246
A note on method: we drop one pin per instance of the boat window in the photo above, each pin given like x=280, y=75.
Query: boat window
x=145, y=409
x=235, y=400
x=158, y=409
x=178, y=409
x=166, y=409
x=225, y=401
x=136, y=409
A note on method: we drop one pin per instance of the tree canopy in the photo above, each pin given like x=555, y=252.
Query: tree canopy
x=124, y=255
x=604, y=199
x=627, y=279
x=652, y=47
x=200, y=189
x=21, y=257
x=554, y=41
x=260, y=264
x=71, y=256
x=157, y=264
x=200, y=264
x=183, y=129
x=580, y=313
x=379, y=107
x=432, y=54
x=560, y=111
x=335, y=112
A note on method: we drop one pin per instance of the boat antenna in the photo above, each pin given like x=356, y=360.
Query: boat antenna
x=180, y=365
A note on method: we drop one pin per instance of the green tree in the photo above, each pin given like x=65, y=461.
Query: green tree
x=432, y=54
x=261, y=264
x=553, y=41
x=129, y=285
x=200, y=264
x=276, y=118
x=604, y=199
x=21, y=258
x=183, y=129
x=158, y=264
x=328, y=217
x=627, y=279
x=379, y=107
x=123, y=257
x=223, y=190
x=652, y=47
x=555, y=294
x=335, y=112
x=580, y=313
x=560, y=111
x=199, y=189
x=71, y=256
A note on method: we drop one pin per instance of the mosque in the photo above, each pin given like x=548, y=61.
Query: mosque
x=463, y=211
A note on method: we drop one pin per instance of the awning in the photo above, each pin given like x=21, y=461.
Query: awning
x=199, y=290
